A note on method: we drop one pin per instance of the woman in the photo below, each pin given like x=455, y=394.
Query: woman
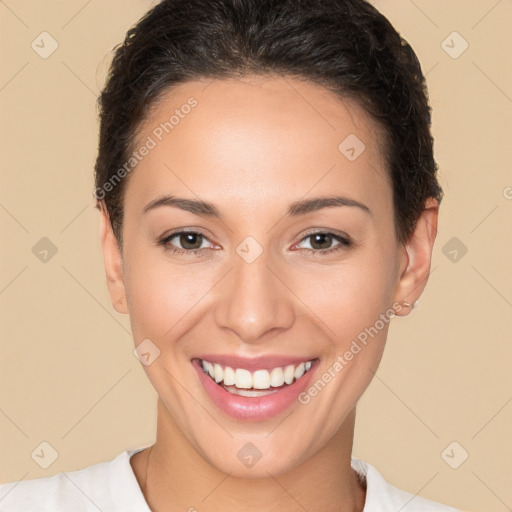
x=268, y=202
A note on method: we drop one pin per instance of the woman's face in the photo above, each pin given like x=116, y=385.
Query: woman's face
x=245, y=166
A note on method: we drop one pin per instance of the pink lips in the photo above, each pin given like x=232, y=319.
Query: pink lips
x=253, y=408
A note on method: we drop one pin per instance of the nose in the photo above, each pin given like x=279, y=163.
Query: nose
x=254, y=301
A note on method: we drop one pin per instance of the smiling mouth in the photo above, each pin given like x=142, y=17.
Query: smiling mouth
x=258, y=383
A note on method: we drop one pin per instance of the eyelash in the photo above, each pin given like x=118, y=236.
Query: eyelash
x=344, y=244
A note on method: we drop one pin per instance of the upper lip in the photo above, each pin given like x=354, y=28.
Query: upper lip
x=253, y=363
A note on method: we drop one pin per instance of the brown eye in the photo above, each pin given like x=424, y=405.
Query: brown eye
x=322, y=243
x=185, y=242
x=190, y=241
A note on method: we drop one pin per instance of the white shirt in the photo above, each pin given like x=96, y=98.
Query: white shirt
x=112, y=487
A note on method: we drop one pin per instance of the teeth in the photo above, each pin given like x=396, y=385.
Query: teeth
x=217, y=372
x=289, y=374
x=208, y=368
x=229, y=376
x=299, y=371
x=261, y=379
x=241, y=379
x=276, y=377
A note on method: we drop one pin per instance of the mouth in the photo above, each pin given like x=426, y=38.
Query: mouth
x=254, y=389
x=243, y=382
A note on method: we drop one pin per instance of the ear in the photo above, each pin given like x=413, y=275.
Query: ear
x=113, y=261
x=416, y=258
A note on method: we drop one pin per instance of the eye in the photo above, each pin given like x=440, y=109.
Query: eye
x=191, y=242
x=321, y=243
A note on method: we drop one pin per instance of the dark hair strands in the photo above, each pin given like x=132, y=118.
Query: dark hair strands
x=347, y=46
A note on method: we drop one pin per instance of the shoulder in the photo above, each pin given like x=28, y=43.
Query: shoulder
x=108, y=486
x=383, y=497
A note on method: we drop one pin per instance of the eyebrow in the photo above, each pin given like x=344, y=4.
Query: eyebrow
x=206, y=209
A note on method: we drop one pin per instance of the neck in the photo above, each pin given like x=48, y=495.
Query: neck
x=178, y=478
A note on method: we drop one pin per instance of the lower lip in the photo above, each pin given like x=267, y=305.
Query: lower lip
x=253, y=408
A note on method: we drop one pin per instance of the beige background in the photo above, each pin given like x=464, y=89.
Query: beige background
x=68, y=375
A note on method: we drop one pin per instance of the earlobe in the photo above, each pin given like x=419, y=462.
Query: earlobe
x=417, y=257
x=113, y=261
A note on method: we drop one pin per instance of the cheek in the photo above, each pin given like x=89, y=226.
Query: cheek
x=163, y=298
x=166, y=298
x=350, y=296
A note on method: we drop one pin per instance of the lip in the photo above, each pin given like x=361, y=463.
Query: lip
x=254, y=408
x=254, y=363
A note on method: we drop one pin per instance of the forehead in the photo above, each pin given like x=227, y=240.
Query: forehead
x=267, y=137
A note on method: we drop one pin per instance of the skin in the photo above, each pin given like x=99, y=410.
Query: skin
x=252, y=147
